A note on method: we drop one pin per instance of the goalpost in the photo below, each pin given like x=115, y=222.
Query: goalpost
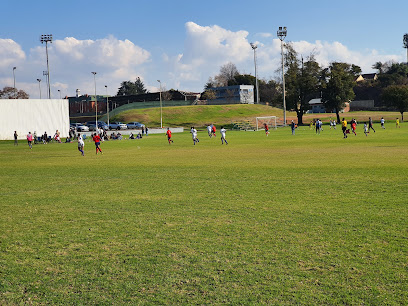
x=269, y=120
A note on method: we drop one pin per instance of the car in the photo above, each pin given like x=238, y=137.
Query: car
x=135, y=125
x=117, y=126
x=79, y=127
x=101, y=125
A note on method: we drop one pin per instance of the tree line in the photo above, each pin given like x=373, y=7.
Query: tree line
x=305, y=79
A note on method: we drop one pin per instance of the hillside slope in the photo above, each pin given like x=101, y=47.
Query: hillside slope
x=197, y=115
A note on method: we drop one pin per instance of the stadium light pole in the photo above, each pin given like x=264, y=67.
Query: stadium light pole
x=46, y=38
x=39, y=86
x=96, y=103
x=161, y=110
x=405, y=40
x=59, y=93
x=45, y=73
x=14, y=77
x=107, y=102
x=282, y=34
x=254, y=46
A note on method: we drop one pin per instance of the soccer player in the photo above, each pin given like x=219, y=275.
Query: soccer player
x=344, y=127
x=97, y=139
x=213, y=129
x=266, y=129
x=223, y=131
x=81, y=144
x=318, y=126
x=193, y=132
x=293, y=127
x=370, y=124
x=353, y=126
x=30, y=140
x=382, y=121
x=365, y=129
x=209, y=130
x=168, y=133
x=397, y=123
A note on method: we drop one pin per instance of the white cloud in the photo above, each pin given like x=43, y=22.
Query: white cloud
x=205, y=50
x=264, y=35
x=11, y=54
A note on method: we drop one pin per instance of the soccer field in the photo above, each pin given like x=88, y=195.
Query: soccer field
x=306, y=219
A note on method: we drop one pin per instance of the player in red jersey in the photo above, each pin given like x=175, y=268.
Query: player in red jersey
x=266, y=129
x=168, y=133
x=97, y=139
x=213, y=130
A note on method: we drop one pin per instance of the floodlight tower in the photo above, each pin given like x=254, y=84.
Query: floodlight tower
x=405, y=39
x=39, y=86
x=96, y=103
x=254, y=46
x=282, y=34
x=46, y=38
x=161, y=111
x=107, y=102
x=14, y=77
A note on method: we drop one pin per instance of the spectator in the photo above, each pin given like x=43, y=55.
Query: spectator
x=15, y=138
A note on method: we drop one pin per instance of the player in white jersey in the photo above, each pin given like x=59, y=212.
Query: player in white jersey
x=81, y=144
x=223, y=131
x=194, y=134
x=209, y=130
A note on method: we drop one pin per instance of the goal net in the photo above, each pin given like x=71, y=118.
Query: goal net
x=269, y=120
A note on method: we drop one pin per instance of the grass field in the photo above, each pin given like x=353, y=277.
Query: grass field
x=304, y=219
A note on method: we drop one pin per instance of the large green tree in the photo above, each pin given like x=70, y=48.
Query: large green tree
x=302, y=80
x=391, y=73
x=128, y=88
x=337, y=86
x=396, y=96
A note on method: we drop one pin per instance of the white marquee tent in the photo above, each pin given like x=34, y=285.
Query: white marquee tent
x=29, y=115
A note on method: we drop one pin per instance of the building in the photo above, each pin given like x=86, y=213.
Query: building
x=236, y=94
x=367, y=77
x=316, y=106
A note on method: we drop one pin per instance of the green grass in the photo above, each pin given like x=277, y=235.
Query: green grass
x=198, y=115
x=304, y=219
x=202, y=115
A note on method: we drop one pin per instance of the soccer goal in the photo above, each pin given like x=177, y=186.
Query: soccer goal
x=269, y=120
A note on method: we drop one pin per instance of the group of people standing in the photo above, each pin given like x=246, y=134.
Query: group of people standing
x=33, y=138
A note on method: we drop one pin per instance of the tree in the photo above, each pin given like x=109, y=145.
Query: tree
x=337, y=86
x=391, y=73
x=397, y=96
x=227, y=75
x=128, y=88
x=302, y=80
x=10, y=93
x=209, y=94
x=269, y=91
x=309, y=85
x=243, y=79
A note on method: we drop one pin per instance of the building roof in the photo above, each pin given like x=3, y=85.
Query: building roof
x=315, y=101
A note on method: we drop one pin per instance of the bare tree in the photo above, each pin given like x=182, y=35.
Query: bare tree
x=11, y=93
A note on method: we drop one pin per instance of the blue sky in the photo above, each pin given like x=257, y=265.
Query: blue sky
x=183, y=43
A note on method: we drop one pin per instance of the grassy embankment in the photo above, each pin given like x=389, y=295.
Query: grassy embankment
x=201, y=115
x=304, y=219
